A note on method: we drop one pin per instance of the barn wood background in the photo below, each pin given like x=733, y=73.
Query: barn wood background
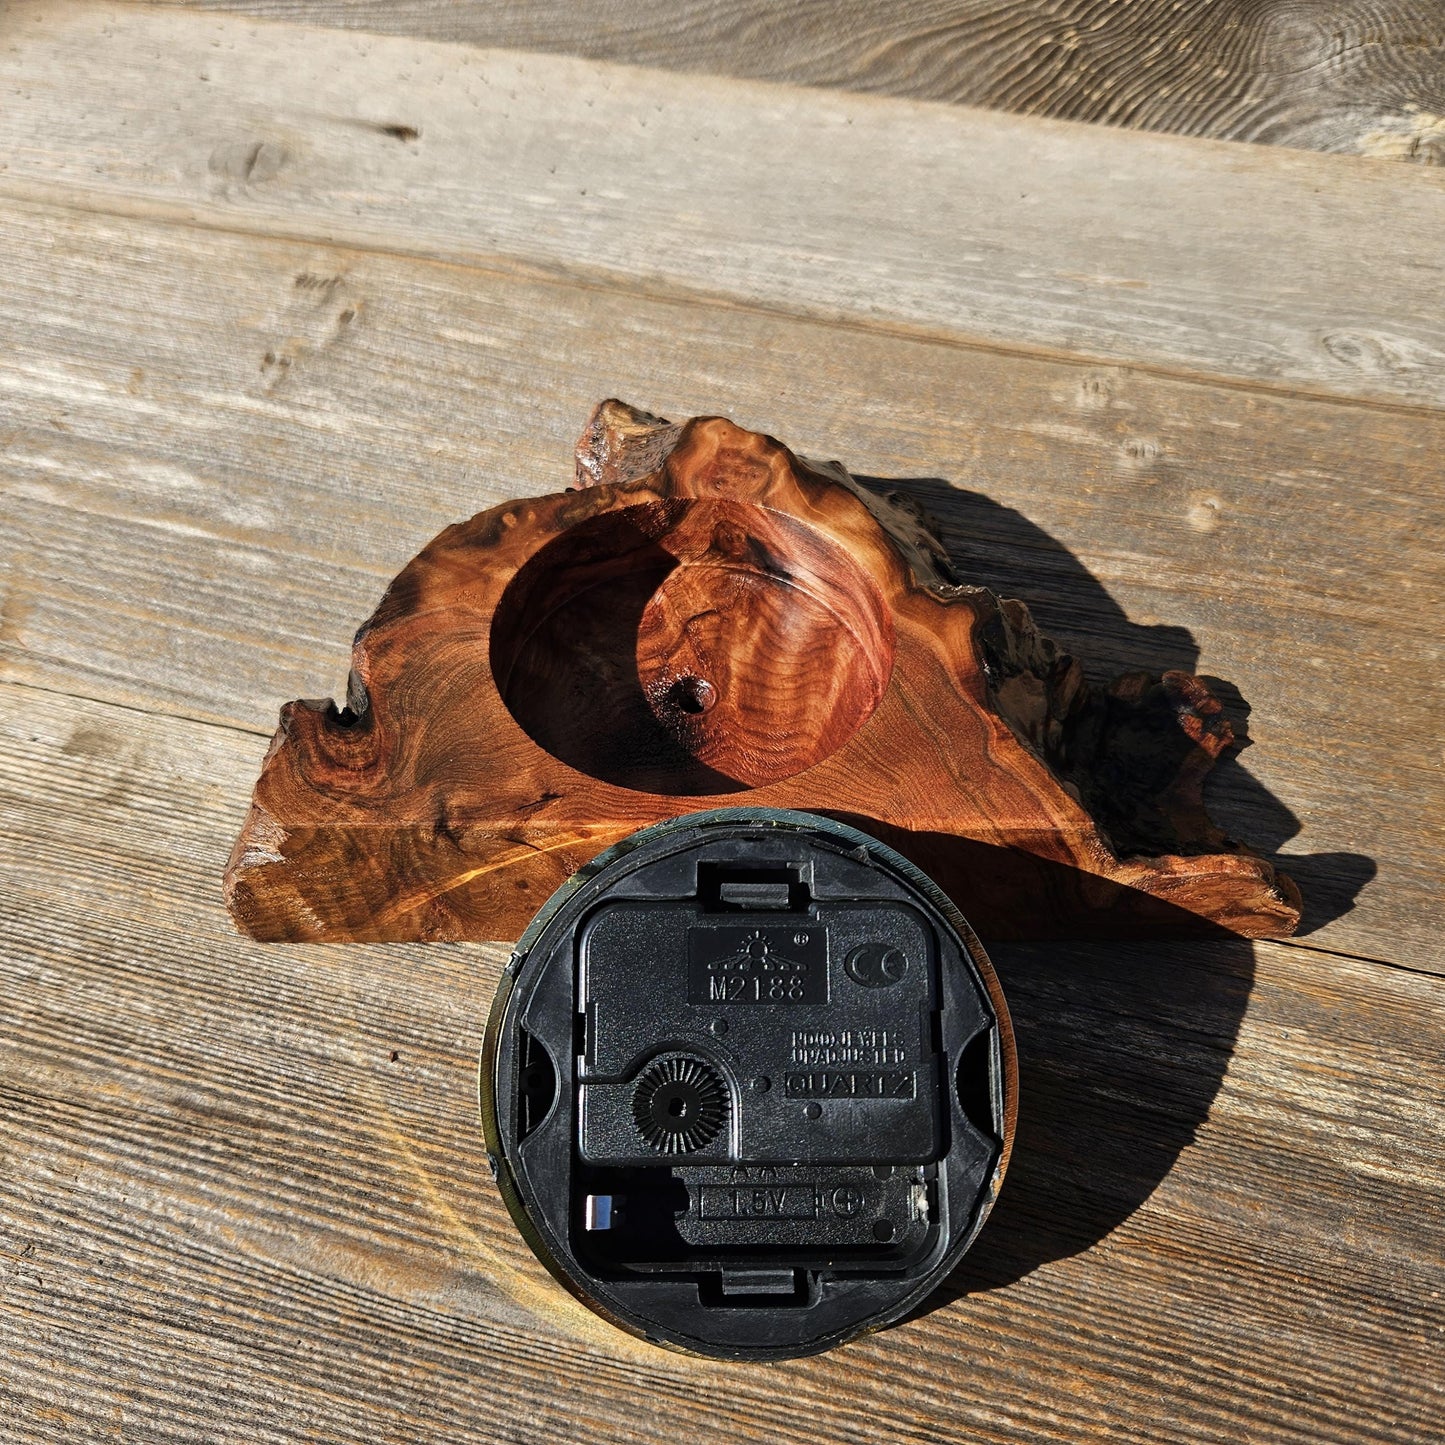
x=283, y=299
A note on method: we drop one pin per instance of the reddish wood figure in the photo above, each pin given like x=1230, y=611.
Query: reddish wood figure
x=710, y=620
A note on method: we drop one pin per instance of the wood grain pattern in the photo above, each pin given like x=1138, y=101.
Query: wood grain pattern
x=710, y=620
x=198, y=410
x=1150, y=250
x=242, y=1195
x=246, y=1196
x=1331, y=75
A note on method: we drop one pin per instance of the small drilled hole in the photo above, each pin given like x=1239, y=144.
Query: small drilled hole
x=692, y=694
x=882, y=1231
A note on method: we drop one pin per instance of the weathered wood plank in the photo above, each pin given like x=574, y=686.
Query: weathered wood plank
x=1333, y=76
x=246, y=1196
x=217, y=450
x=1243, y=262
x=230, y=1212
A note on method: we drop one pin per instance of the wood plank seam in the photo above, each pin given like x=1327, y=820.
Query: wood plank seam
x=21, y=690
x=1331, y=76
x=504, y=267
x=562, y=156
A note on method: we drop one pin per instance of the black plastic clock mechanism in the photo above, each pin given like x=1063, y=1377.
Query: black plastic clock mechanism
x=748, y=1084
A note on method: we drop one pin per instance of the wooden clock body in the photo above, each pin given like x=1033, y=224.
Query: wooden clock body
x=708, y=621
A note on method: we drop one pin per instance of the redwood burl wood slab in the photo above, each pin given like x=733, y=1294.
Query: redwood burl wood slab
x=710, y=620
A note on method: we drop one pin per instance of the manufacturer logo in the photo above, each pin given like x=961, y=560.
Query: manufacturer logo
x=738, y=965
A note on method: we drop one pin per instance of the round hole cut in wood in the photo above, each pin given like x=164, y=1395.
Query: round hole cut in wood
x=707, y=619
x=691, y=647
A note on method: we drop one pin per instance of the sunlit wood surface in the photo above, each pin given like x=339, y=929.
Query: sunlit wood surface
x=282, y=300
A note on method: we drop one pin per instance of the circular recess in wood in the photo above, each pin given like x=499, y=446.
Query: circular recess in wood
x=691, y=647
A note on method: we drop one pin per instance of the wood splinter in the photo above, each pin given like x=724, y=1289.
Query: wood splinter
x=710, y=620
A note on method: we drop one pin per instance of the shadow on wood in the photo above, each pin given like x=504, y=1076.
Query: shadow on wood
x=1121, y=1051
x=1001, y=549
x=1122, y=1047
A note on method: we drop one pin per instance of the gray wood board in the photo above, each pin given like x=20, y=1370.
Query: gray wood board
x=1248, y=262
x=217, y=449
x=1332, y=75
x=247, y=1198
